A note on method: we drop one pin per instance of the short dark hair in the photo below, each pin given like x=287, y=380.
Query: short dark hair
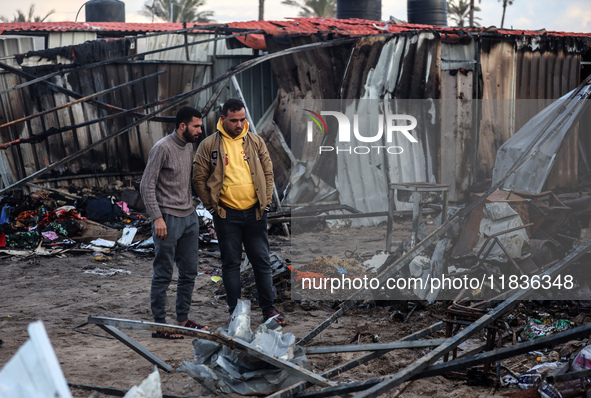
x=232, y=105
x=186, y=114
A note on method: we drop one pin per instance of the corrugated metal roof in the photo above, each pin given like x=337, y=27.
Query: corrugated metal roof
x=356, y=27
x=362, y=27
x=66, y=26
x=288, y=27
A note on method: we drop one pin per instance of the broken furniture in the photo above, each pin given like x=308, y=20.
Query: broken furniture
x=460, y=314
x=419, y=194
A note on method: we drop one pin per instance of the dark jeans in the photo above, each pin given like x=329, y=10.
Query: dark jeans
x=181, y=247
x=242, y=227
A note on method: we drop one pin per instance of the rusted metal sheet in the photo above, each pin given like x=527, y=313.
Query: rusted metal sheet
x=543, y=135
x=458, y=116
x=496, y=124
x=532, y=68
x=549, y=68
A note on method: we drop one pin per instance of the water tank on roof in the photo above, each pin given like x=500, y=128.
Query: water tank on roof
x=366, y=9
x=427, y=12
x=105, y=11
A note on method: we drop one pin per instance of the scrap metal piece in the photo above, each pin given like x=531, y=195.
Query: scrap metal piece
x=465, y=362
x=375, y=347
x=218, y=338
x=135, y=346
x=421, y=364
x=337, y=370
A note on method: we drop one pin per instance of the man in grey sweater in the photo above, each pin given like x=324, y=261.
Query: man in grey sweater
x=166, y=192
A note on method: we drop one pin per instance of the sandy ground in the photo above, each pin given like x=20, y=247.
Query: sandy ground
x=60, y=293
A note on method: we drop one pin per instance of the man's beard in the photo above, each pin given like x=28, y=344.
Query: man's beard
x=188, y=136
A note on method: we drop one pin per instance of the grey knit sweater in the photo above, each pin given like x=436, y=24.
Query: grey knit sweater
x=166, y=183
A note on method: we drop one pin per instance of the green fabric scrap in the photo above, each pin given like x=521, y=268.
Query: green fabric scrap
x=23, y=240
x=57, y=228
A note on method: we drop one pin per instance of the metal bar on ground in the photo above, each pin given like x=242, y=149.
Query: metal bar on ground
x=346, y=216
x=135, y=346
x=344, y=307
x=422, y=363
x=80, y=100
x=228, y=341
x=337, y=370
x=327, y=203
x=508, y=352
x=463, y=363
x=111, y=391
x=569, y=376
x=396, y=345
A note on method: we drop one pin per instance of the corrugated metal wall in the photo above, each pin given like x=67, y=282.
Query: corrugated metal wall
x=405, y=77
x=12, y=44
x=257, y=84
x=532, y=68
x=121, y=157
x=496, y=69
x=124, y=156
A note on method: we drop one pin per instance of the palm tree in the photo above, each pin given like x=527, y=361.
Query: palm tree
x=261, y=10
x=459, y=10
x=505, y=4
x=21, y=17
x=314, y=8
x=177, y=10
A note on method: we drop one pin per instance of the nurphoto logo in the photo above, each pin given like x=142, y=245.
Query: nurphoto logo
x=390, y=124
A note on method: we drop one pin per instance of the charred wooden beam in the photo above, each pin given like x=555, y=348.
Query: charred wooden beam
x=80, y=100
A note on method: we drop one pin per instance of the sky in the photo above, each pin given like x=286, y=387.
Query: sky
x=565, y=15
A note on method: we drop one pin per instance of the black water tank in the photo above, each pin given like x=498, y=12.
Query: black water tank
x=105, y=11
x=427, y=12
x=366, y=9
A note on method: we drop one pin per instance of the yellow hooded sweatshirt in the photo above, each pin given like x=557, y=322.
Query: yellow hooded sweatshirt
x=238, y=191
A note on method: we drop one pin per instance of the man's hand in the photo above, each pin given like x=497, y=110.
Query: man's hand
x=160, y=228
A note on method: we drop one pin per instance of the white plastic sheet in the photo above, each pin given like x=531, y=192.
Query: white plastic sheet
x=34, y=370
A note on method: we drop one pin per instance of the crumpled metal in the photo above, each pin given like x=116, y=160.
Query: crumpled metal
x=225, y=371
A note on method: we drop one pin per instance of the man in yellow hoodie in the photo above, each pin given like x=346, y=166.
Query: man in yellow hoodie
x=233, y=176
